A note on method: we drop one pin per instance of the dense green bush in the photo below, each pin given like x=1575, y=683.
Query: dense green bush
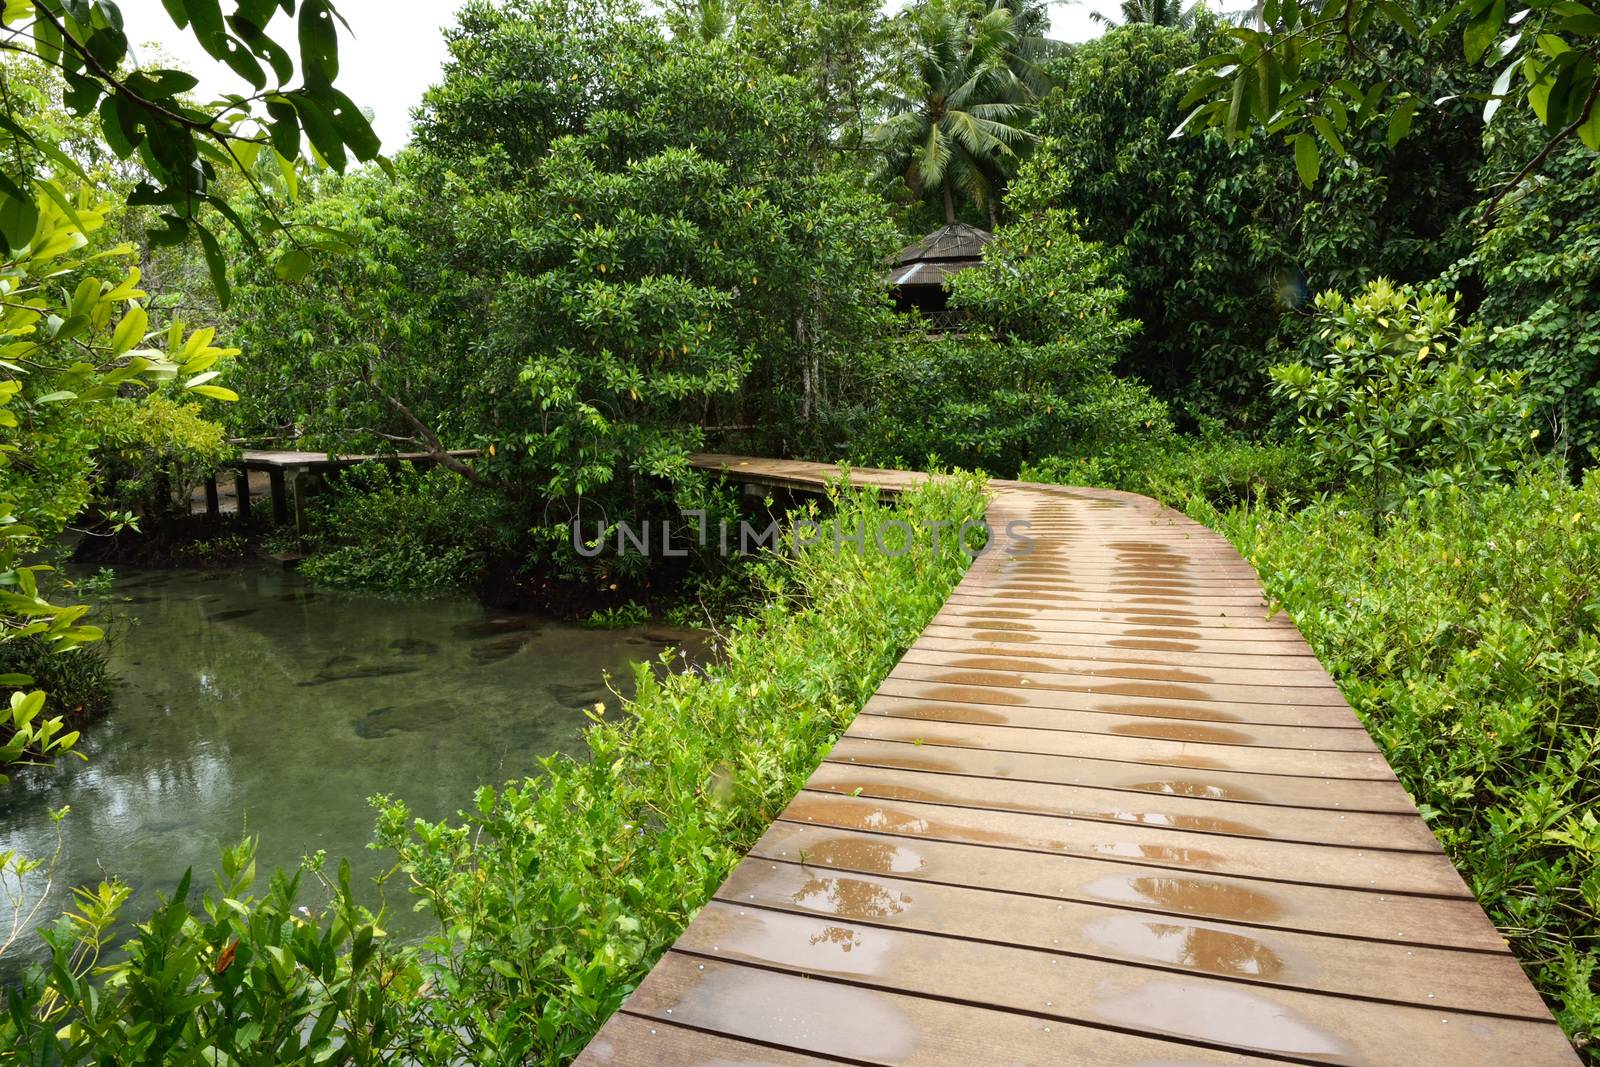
x=1537, y=267
x=153, y=455
x=1394, y=399
x=232, y=978
x=1216, y=467
x=78, y=682
x=405, y=530
x=558, y=892
x=1466, y=633
x=1222, y=242
x=1030, y=371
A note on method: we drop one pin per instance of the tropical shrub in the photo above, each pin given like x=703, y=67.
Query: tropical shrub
x=556, y=894
x=1396, y=400
x=404, y=530
x=1029, y=373
x=71, y=344
x=232, y=978
x=1222, y=242
x=1537, y=266
x=1216, y=467
x=151, y=456
x=1466, y=633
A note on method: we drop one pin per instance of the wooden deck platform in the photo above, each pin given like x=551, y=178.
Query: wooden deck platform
x=285, y=468
x=1107, y=810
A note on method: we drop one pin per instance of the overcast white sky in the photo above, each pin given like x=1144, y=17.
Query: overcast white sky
x=397, y=50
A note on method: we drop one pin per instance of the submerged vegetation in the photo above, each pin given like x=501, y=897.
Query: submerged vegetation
x=1334, y=294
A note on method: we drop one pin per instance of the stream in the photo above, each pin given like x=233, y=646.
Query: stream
x=254, y=702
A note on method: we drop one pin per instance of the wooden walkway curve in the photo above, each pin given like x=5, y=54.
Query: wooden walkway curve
x=1107, y=810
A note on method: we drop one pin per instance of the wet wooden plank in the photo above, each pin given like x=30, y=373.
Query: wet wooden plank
x=923, y=681
x=636, y=1041
x=875, y=1026
x=1292, y=675
x=1193, y=1009
x=1424, y=976
x=1169, y=653
x=1107, y=809
x=1083, y=676
x=1400, y=831
x=1307, y=864
x=1155, y=751
x=1334, y=794
x=1362, y=914
x=969, y=710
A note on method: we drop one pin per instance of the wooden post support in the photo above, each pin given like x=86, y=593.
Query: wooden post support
x=280, y=497
x=241, y=489
x=213, y=505
x=300, y=483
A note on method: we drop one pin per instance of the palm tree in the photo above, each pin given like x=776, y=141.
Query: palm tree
x=960, y=109
x=703, y=20
x=1153, y=13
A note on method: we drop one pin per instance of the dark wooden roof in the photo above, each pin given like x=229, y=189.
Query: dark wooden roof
x=942, y=253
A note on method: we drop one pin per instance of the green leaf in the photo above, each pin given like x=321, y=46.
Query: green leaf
x=1400, y=121
x=216, y=392
x=130, y=331
x=177, y=10
x=19, y=218
x=1589, y=132
x=292, y=266
x=1307, y=158
x=1482, y=29
x=216, y=264
x=319, y=44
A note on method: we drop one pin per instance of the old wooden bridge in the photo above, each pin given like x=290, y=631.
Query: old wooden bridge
x=1106, y=810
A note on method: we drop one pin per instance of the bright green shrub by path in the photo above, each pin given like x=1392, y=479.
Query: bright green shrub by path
x=1467, y=636
x=560, y=891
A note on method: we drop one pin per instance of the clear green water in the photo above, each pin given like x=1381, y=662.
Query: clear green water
x=255, y=702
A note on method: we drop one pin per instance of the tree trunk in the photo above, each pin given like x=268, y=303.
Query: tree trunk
x=949, y=203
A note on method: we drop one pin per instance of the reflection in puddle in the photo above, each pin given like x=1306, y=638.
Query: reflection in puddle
x=1170, y=731
x=1191, y=896
x=1200, y=948
x=872, y=857
x=850, y=898
x=1205, y=790
x=1221, y=1013
x=1187, y=857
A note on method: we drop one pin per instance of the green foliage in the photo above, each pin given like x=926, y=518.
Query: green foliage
x=147, y=114
x=558, y=892
x=1465, y=632
x=958, y=106
x=78, y=682
x=1030, y=374
x=620, y=617
x=1296, y=73
x=1538, y=268
x=1221, y=243
x=239, y=978
x=151, y=456
x=71, y=345
x=324, y=351
x=404, y=530
x=1396, y=402
x=1217, y=468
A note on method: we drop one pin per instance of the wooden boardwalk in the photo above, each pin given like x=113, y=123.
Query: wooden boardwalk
x=1106, y=810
